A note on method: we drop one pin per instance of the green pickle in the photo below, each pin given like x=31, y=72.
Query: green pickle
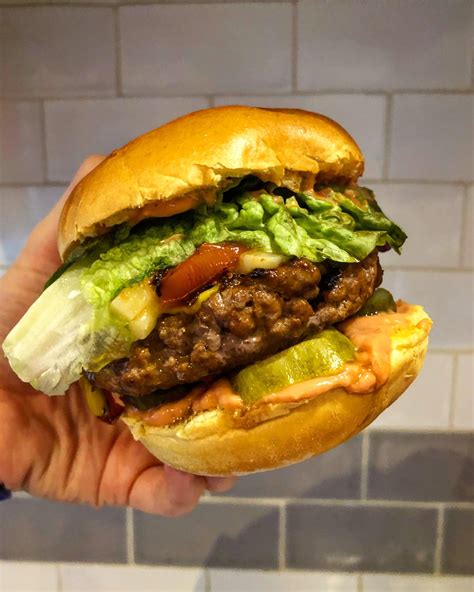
x=322, y=355
x=380, y=301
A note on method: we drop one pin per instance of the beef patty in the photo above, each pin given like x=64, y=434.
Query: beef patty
x=251, y=317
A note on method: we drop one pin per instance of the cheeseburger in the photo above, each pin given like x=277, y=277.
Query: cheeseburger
x=220, y=293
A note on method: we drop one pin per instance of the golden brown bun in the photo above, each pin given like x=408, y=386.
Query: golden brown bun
x=214, y=443
x=200, y=152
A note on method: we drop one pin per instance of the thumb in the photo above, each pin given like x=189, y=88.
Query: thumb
x=42, y=243
x=166, y=491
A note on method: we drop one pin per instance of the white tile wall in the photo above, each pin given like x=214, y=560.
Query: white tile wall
x=21, y=142
x=426, y=404
x=468, y=247
x=384, y=44
x=28, y=577
x=106, y=578
x=58, y=50
x=360, y=53
x=20, y=209
x=432, y=217
x=225, y=580
x=98, y=126
x=206, y=48
x=432, y=137
x=463, y=412
x=415, y=583
x=362, y=115
x=447, y=297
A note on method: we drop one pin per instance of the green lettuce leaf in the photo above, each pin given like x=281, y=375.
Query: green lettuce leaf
x=71, y=328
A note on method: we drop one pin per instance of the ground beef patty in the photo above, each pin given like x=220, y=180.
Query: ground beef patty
x=251, y=317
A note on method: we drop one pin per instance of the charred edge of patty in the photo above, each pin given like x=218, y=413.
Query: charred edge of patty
x=251, y=317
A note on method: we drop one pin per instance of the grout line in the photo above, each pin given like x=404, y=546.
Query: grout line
x=433, y=431
x=397, y=181
x=360, y=583
x=212, y=100
x=427, y=268
x=61, y=184
x=464, y=225
x=439, y=541
x=452, y=399
x=118, y=53
x=44, y=147
x=447, y=350
x=59, y=578
x=241, y=501
x=275, y=502
x=282, y=537
x=294, y=45
x=207, y=580
x=364, y=471
x=297, y=93
x=130, y=534
x=388, y=135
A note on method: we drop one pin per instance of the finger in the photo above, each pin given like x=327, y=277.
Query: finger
x=166, y=491
x=52, y=219
x=220, y=484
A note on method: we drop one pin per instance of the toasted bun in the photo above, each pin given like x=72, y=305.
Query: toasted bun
x=216, y=443
x=194, y=156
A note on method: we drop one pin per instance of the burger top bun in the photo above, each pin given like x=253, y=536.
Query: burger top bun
x=217, y=443
x=177, y=166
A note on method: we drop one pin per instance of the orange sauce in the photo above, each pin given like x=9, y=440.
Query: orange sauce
x=168, y=413
x=220, y=394
x=162, y=209
x=370, y=370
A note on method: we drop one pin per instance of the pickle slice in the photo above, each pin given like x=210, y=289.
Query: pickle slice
x=322, y=355
x=380, y=301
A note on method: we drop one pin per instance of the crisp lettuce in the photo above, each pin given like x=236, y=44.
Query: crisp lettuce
x=71, y=328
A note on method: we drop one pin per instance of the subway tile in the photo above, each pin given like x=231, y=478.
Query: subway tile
x=427, y=402
x=75, y=129
x=421, y=466
x=424, y=211
x=106, y=578
x=468, y=247
x=206, y=48
x=463, y=412
x=214, y=534
x=447, y=297
x=432, y=137
x=383, y=45
x=58, y=50
x=362, y=115
x=457, y=556
x=20, y=209
x=224, y=580
x=34, y=529
x=360, y=538
x=415, y=583
x=28, y=577
x=335, y=474
x=367, y=52
x=21, y=145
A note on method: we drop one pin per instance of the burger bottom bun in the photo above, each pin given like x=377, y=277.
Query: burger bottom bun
x=218, y=443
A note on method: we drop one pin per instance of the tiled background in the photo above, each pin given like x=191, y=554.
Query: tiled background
x=81, y=77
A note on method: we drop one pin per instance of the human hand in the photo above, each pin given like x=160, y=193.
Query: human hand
x=53, y=446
